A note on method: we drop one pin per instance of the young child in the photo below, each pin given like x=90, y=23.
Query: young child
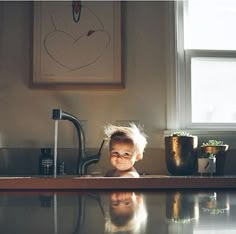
x=126, y=146
x=127, y=213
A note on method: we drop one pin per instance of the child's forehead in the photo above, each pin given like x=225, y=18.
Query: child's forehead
x=121, y=196
x=121, y=139
x=122, y=145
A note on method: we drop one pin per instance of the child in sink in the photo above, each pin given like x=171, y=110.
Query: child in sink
x=126, y=146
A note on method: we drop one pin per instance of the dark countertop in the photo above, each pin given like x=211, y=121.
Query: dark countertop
x=153, y=211
x=106, y=183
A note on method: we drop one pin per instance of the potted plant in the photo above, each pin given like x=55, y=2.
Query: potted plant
x=181, y=153
x=218, y=149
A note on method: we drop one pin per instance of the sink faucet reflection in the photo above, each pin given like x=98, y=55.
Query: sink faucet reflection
x=83, y=160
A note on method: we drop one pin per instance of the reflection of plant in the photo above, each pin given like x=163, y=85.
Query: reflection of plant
x=187, y=220
x=215, y=211
x=213, y=143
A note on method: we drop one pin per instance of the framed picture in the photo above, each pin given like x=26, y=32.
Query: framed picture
x=77, y=44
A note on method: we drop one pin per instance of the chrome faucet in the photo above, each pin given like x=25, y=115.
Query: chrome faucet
x=83, y=160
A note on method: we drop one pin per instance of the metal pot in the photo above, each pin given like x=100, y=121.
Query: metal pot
x=181, y=154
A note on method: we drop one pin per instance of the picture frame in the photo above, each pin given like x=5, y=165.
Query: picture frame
x=77, y=45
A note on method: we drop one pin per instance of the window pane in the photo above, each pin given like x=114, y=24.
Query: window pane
x=213, y=82
x=210, y=24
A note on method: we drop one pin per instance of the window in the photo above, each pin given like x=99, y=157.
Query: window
x=205, y=82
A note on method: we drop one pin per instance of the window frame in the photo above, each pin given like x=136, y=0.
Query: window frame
x=179, y=86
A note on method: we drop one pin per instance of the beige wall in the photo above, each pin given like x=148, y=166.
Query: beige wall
x=25, y=120
x=26, y=113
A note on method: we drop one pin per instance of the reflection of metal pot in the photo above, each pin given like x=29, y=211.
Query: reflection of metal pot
x=181, y=212
x=220, y=153
x=180, y=207
x=181, y=154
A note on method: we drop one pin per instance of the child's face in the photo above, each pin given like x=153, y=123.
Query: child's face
x=122, y=203
x=123, y=156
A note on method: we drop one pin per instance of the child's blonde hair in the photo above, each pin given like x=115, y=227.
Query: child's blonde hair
x=131, y=134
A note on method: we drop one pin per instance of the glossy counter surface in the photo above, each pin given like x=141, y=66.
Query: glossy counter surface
x=101, y=212
x=144, y=182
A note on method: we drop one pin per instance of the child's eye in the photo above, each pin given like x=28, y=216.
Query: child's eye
x=115, y=203
x=127, y=203
x=127, y=155
x=114, y=153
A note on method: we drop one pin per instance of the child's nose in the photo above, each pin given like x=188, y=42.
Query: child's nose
x=119, y=156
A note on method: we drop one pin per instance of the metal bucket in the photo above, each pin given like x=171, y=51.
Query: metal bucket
x=181, y=154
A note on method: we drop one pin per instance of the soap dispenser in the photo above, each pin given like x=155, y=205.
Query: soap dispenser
x=46, y=162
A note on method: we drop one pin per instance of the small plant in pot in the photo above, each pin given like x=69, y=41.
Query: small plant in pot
x=217, y=148
x=181, y=153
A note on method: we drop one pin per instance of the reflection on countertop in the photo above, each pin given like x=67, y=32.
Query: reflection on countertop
x=118, y=211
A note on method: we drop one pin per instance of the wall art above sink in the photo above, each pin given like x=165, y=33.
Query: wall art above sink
x=77, y=44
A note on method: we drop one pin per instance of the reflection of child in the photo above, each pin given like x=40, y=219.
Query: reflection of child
x=126, y=146
x=127, y=213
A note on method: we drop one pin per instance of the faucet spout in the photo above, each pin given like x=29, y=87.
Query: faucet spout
x=82, y=162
